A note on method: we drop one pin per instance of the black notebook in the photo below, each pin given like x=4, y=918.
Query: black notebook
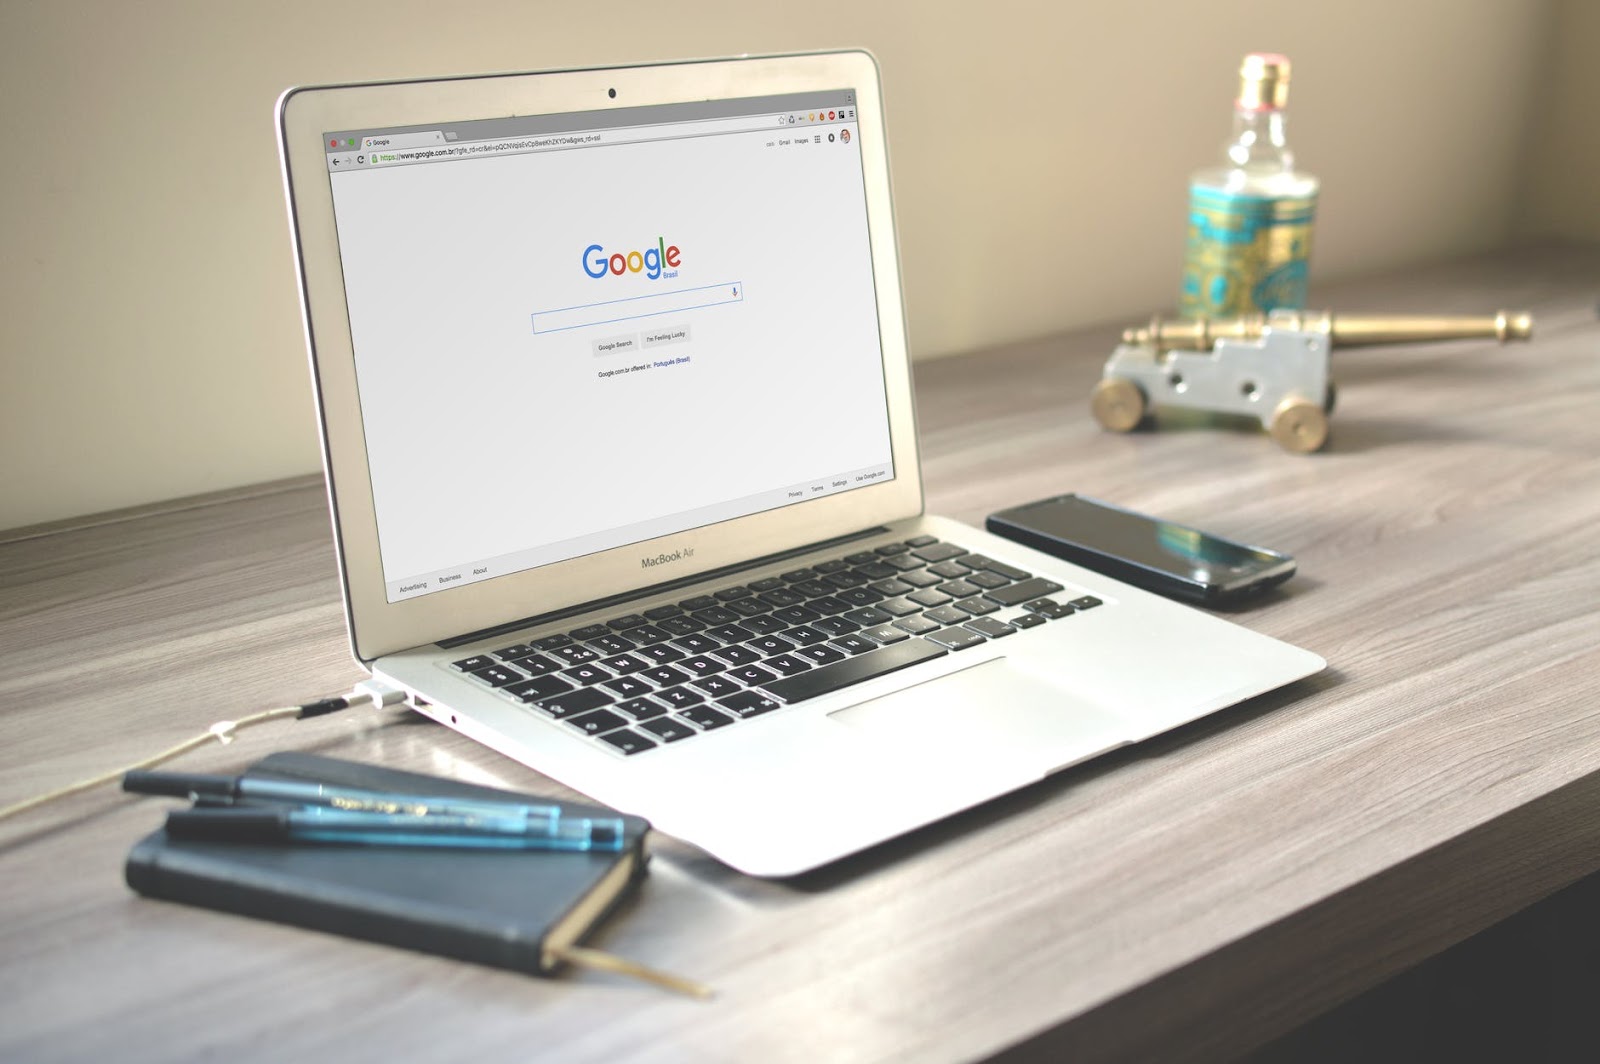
x=523, y=910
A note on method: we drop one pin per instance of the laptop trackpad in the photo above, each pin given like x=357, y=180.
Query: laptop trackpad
x=991, y=712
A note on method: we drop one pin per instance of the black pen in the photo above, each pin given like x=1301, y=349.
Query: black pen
x=199, y=786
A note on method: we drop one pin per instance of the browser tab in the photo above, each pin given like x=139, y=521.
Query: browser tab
x=403, y=140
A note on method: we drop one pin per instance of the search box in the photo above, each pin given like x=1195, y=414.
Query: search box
x=548, y=321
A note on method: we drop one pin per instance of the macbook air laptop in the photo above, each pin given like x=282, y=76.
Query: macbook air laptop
x=619, y=438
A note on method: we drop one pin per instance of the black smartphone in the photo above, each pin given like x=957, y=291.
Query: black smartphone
x=1145, y=551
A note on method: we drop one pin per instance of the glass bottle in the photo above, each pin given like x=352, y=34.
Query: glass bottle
x=1250, y=219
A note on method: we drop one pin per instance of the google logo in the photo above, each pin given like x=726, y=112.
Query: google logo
x=649, y=262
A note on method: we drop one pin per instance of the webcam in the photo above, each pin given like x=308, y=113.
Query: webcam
x=611, y=93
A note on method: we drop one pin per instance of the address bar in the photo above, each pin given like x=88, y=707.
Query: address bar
x=577, y=139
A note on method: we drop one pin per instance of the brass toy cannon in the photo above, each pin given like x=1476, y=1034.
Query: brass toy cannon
x=1272, y=367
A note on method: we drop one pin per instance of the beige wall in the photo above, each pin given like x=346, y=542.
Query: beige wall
x=150, y=344
x=1561, y=187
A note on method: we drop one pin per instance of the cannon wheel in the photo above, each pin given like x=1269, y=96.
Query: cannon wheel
x=1118, y=404
x=1299, y=425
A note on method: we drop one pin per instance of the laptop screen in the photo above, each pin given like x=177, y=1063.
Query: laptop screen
x=578, y=331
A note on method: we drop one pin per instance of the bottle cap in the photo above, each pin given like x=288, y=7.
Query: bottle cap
x=1263, y=82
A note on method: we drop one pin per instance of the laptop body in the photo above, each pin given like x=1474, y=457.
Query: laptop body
x=618, y=430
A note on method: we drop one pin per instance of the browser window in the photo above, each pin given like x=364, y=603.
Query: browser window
x=570, y=336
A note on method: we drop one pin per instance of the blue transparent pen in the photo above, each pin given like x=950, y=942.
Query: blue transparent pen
x=322, y=824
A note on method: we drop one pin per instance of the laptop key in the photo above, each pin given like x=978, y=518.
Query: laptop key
x=917, y=625
x=770, y=583
x=886, y=633
x=627, y=687
x=701, y=665
x=920, y=578
x=977, y=606
x=921, y=541
x=753, y=675
x=1016, y=594
x=661, y=653
x=698, y=602
x=770, y=644
x=595, y=722
x=1025, y=620
x=986, y=580
x=661, y=613
x=728, y=594
x=955, y=638
x=899, y=607
x=835, y=566
x=628, y=741
x=706, y=718
x=836, y=626
x=947, y=615
x=698, y=643
x=981, y=561
x=786, y=664
x=665, y=676
x=575, y=655
x=610, y=644
x=868, y=616
x=668, y=729
x=716, y=686
x=853, y=644
x=539, y=687
x=1049, y=609
x=960, y=589
x=587, y=674
x=680, y=625
x=764, y=625
x=860, y=557
x=950, y=570
x=904, y=563
x=589, y=631
x=828, y=605
x=821, y=654
x=812, y=589
x=641, y=708
x=737, y=655
x=805, y=635
x=843, y=672
x=789, y=615
x=990, y=627
x=474, y=663
x=625, y=622
x=715, y=615
x=749, y=704
x=747, y=607
x=645, y=634
x=516, y=650
x=795, y=576
x=1087, y=602
x=939, y=552
x=575, y=702
x=875, y=570
x=678, y=697
x=731, y=633
x=929, y=597
x=497, y=675
x=538, y=665
x=859, y=596
x=626, y=663
x=551, y=642
x=782, y=598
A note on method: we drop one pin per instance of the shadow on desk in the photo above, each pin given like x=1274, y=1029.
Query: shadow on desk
x=1523, y=990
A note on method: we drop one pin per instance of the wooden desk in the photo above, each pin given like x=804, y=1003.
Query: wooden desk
x=1190, y=897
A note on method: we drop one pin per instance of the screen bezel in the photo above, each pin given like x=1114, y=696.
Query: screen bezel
x=378, y=626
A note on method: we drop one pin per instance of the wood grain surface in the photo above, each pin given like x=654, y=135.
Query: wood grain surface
x=1188, y=898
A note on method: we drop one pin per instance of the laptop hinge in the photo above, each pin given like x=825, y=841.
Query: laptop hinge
x=654, y=589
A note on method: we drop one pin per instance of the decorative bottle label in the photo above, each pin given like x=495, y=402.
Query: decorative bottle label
x=1247, y=253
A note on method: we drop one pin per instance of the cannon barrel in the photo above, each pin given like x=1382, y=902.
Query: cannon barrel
x=1348, y=330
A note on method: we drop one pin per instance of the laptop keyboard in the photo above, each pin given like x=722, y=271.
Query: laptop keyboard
x=641, y=680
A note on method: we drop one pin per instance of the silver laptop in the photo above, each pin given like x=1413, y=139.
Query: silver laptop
x=618, y=429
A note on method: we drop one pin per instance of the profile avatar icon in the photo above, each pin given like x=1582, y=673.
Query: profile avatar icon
x=844, y=135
